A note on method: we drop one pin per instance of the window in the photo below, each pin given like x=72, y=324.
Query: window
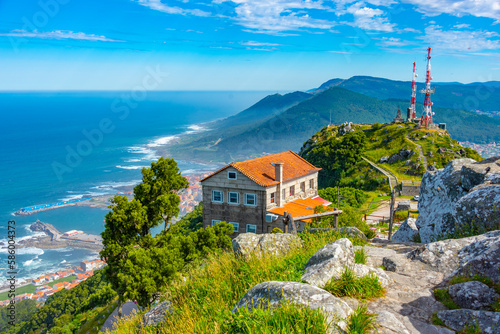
x=251, y=199
x=273, y=199
x=215, y=222
x=270, y=218
x=251, y=228
x=233, y=198
x=303, y=187
x=236, y=227
x=231, y=175
x=217, y=196
x=292, y=190
x=311, y=183
x=284, y=193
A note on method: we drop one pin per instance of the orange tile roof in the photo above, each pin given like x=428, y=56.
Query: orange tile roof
x=298, y=207
x=261, y=171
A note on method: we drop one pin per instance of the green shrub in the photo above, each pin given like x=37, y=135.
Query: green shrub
x=375, y=126
x=400, y=215
x=276, y=230
x=348, y=217
x=471, y=328
x=361, y=321
x=351, y=285
x=360, y=256
x=348, y=196
x=436, y=321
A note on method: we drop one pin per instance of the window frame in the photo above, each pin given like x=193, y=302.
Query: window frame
x=272, y=198
x=292, y=190
x=246, y=199
x=236, y=229
x=215, y=220
x=222, y=196
x=255, y=226
x=303, y=187
x=229, y=197
x=235, y=175
x=311, y=184
x=283, y=193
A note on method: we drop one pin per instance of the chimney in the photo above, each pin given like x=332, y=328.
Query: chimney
x=278, y=176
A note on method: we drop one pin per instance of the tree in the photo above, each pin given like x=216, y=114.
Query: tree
x=192, y=221
x=123, y=230
x=158, y=192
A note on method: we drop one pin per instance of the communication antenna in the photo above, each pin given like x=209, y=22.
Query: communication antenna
x=427, y=113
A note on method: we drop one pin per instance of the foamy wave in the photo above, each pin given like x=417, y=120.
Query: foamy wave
x=64, y=261
x=148, y=153
x=130, y=167
x=111, y=186
x=132, y=160
x=32, y=262
x=23, y=251
x=161, y=141
x=195, y=128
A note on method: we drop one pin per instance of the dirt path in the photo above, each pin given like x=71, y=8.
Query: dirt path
x=423, y=158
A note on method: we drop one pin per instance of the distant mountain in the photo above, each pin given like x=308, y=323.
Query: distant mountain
x=267, y=128
x=474, y=96
x=329, y=84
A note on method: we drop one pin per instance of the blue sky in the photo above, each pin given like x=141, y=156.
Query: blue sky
x=242, y=44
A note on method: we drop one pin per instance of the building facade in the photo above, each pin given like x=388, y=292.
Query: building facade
x=252, y=194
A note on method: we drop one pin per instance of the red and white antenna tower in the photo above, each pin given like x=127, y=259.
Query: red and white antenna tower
x=427, y=114
x=413, y=93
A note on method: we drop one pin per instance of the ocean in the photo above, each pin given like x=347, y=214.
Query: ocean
x=63, y=145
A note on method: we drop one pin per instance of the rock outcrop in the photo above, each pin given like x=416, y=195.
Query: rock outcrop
x=407, y=232
x=473, y=295
x=247, y=244
x=463, y=196
x=273, y=294
x=329, y=262
x=401, y=155
x=155, y=315
x=458, y=319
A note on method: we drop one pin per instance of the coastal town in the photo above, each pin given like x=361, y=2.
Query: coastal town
x=484, y=150
x=49, y=283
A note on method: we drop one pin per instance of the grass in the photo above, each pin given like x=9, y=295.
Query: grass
x=443, y=296
x=203, y=302
x=361, y=321
x=289, y=318
x=471, y=328
x=359, y=287
x=436, y=321
x=360, y=256
x=30, y=288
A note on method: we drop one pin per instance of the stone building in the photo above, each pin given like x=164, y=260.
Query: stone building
x=253, y=194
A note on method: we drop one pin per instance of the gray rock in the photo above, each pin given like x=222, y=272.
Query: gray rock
x=472, y=295
x=329, y=262
x=462, y=196
x=389, y=263
x=383, y=160
x=479, y=208
x=458, y=319
x=364, y=270
x=439, y=192
x=389, y=324
x=376, y=254
x=482, y=257
x=407, y=232
x=272, y=294
x=403, y=206
x=348, y=230
x=156, y=315
x=247, y=244
x=408, y=163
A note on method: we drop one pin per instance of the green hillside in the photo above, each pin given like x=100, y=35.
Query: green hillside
x=340, y=155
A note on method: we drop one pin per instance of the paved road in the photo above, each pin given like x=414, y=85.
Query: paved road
x=128, y=308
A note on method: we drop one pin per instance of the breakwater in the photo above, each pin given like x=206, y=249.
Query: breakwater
x=44, y=207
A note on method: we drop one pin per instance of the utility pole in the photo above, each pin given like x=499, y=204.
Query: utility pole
x=391, y=221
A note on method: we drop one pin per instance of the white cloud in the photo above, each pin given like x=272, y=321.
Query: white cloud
x=58, y=34
x=254, y=43
x=460, y=40
x=277, y=16
x=159, y=6
x=371, y=19
x=392, y=41
x=480, y=8
x=461, y=26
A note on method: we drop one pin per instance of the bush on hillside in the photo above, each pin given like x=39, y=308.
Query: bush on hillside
x=348, y=217
x=348, y=196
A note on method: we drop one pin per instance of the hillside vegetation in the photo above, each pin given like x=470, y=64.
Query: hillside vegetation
x=339, y=152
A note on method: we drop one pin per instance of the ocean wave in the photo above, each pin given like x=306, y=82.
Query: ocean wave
x=195, y=128
x=149, y=154
x=161, y=141
x=132, y=160
x=24, y=251
x=32, y=262
x=112, y=186
x=130, y=167
x=64, y=261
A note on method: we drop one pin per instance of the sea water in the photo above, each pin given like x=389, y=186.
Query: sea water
x=40, y=133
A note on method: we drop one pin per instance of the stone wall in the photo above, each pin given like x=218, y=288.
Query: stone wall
x=410, y=188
